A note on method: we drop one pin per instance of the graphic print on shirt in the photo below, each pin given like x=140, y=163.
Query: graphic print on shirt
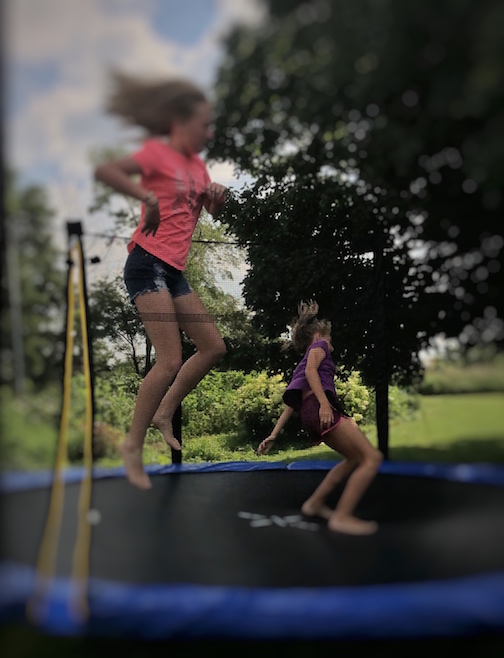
x=180, y=190
x=185, y=191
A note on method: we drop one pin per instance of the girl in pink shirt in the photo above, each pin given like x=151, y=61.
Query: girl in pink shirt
x=174, y=186
x=312, y=394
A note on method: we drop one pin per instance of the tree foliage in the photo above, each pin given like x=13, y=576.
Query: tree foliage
x=40, y=276
x=116, y=323
x=303, y=245
x=401, y=103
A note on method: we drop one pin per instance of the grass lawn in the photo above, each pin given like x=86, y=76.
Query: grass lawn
x=469, y=427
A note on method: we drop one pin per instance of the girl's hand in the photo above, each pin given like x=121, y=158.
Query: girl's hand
x=215, y=196
x=326, y=415
x=216, y=193
x=266, y=445
x=151, y=218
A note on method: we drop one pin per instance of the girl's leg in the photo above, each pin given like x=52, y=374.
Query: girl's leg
x=315, y=504
x=158, y=314
x=348, y=439
x=197, y=323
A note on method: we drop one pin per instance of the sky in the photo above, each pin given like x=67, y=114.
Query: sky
x=58, y=54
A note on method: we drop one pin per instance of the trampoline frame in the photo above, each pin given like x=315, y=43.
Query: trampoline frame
x=468, y=606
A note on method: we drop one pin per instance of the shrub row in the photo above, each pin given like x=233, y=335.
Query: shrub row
x=243, y=406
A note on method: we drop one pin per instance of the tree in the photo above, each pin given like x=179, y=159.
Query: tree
x=40, y=275
x=301, y=245
x=402, y=100
x=114, y=321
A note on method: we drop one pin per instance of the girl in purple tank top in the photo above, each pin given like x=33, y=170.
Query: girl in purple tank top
x=312, y=393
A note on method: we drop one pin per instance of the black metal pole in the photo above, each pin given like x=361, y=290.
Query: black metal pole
x=177, y=433
x=74, y=228
x=380, y=349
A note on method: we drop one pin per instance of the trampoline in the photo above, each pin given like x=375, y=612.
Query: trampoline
x=222, y=550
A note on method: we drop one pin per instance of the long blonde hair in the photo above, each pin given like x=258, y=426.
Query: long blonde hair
x=153, y=105
x=306, y=325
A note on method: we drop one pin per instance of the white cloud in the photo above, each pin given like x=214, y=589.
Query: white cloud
x=222, y=172
x=53, y=128
x=60, y=124
x=248, y=12
x=69, y=201
x=51, y=30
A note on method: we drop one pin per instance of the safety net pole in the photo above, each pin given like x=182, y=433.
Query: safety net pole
x=39, y=604
x=381, y=349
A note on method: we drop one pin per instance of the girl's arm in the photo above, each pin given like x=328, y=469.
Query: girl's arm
x=266, y=445
x=117, y=175
x=315, y=358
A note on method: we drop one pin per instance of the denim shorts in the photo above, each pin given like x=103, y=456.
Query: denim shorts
x=144, y=272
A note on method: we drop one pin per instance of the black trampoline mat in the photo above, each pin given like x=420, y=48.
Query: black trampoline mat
x=246, y=529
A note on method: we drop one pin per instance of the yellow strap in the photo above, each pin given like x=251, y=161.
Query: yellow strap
x=49, y=546
x=37, y=606
x=80, y=568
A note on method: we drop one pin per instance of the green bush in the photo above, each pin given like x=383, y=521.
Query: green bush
x=227, y=413
x=29, y=428
x=114, y=406
x=248, y=406
x=355, y=396
x=259, y=403
x=203, y=448
x=403, y=403
x=360, y=400
x=211, y=408
x=242, y=407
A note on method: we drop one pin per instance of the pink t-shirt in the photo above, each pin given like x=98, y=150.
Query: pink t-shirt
x=178, y=182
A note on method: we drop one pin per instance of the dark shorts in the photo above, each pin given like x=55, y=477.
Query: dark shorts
x=144, y=272
x=310, y=419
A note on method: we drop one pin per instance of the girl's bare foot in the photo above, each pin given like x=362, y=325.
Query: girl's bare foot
x=164, y=425
x=350, y=525
x=135, y=473
x=323, y=511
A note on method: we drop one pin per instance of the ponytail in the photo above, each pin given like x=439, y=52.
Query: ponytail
x=306, y=325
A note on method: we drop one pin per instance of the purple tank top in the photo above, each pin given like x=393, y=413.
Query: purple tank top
x=292, y=396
